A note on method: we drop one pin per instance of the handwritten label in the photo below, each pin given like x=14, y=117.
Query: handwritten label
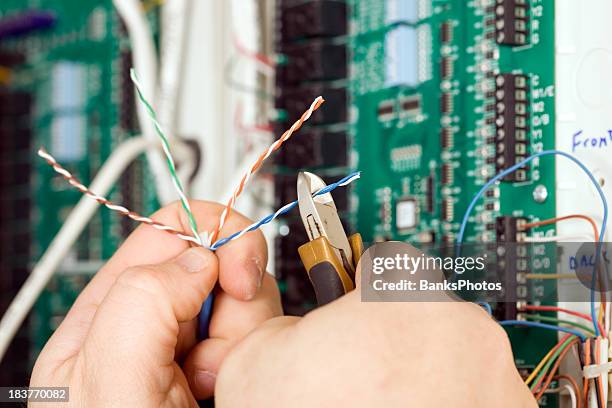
x=582, y=141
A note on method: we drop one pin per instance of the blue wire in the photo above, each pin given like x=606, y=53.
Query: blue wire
x=291, y=206
x=486, y=307
x=204, y=317
x=523, y=163
x=543, y=326
x=206, y=311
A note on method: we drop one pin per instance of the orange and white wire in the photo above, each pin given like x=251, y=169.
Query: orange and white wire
x=245, y=178
x=109, y=204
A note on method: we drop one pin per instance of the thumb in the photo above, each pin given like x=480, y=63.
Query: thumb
x=136, y=326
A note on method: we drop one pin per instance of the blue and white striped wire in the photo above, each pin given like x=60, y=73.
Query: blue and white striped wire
x=285, y=209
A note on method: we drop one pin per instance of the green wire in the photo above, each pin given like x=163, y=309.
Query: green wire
x=550, y=362
x=169, y=160
x=541, y=318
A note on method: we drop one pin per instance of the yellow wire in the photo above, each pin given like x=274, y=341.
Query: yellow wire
x=539, y=367
x=550, y=276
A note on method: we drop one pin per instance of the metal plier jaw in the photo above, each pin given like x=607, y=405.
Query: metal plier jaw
x=330, y=257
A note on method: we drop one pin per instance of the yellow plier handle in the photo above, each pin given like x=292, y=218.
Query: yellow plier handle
x=329, y=275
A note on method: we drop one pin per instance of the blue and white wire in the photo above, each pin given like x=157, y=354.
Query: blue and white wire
x=285, y=209
x=517, y=166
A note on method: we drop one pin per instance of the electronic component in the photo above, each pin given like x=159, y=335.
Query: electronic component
x=406, y=213
x=313, y=61
x=293, y=101
x=323, y=18
x=512, y=118
x=446, y=32
x=386, y=110
x=431, y=194
x=446, y=138
x=512, y=263
x=509, y=229
x=406, y=158
x=447, y=174
x=15, y=213
x=401, y=11
x=446, y=68
x=447, y=210
x=446, y=103
x=401, y=56
x=68, y=126
x=511, y=22
x=410, y=105
x=315, y=148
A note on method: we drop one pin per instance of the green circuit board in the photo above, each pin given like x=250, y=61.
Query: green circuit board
x=77, y=72
x=423, y=96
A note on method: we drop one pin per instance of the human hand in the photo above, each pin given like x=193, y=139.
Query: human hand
x=360, y=354
x=130, y=338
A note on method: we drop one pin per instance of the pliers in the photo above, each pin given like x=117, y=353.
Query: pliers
x=330, y=257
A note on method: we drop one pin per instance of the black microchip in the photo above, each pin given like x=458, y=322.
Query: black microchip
x=322, y=18
x=386, y=108
x=411, y=104
x=313, y=61
x=296, y=100
x=511, y=22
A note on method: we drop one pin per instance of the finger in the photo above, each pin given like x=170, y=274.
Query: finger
x=147, y=245
x=135, y=328
x=232, y=321
x=242, y=263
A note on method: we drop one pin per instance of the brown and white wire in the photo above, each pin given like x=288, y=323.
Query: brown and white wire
x=109, y=204
x=275, y=146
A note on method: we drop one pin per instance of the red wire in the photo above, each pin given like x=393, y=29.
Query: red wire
x=554, y=369
x=264, y=59
x=567, y=217
x=595, y=233
x=554, y=349
x=563, y=310
x=574, y=385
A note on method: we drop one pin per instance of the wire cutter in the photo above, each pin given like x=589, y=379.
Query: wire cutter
x=330, y=257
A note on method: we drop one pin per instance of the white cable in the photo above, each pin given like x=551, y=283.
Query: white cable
x=556, y=238
x=176, y=21
x=145, y=64
x=572, y=394
x=79, y=217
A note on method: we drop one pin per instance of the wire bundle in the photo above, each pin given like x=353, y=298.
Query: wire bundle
x=146, y=220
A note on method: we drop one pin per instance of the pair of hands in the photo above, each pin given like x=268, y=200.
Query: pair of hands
x=130, y=338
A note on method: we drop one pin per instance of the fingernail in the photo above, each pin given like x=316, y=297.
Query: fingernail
x=193, y=260
x=254, y=273
x=205, y=379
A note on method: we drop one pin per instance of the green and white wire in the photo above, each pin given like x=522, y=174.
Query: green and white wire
x=170, y=160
